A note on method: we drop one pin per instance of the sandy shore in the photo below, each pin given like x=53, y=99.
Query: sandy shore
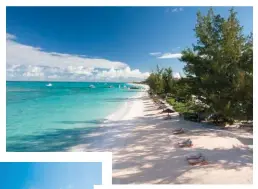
x=144, y=150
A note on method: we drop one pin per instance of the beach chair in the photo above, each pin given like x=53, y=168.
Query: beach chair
x=178, y=131
x=185, y=143
x=196, y=159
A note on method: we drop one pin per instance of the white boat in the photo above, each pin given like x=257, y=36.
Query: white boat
x=49, y=85
x=91, y=86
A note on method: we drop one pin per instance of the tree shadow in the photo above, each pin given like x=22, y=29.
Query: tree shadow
x=154, y=159
x=144, y=150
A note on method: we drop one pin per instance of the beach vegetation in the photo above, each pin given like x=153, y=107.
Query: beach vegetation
x=218, y=71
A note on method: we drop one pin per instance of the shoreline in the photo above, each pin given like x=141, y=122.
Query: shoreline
x=120, y=121
x=144, y=152
x=123, y=111
x=64, y=132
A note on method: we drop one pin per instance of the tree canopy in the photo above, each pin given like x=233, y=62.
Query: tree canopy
x=218, y=68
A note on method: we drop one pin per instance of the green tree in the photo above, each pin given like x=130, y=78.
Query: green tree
x=167, y=80
x=219, y=66
x=155, y=81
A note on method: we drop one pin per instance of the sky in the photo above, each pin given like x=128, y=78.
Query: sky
x=101, y=43
x=64, y=175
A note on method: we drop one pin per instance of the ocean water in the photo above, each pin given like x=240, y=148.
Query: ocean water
x=40, y=117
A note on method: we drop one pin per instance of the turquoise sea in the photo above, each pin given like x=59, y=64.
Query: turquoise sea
x=37, y=113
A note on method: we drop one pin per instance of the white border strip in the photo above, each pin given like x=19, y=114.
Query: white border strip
x=2, y=79
x=104, y=157
x=173, y=186
x=130, y=3
x=107, y=157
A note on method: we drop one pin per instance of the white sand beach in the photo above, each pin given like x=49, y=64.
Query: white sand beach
x=144, y=150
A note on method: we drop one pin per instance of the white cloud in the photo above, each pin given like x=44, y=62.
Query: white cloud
x=167, y=55
x=122, y=74
x=25, y=62
x=174, y=10
x=10, y=36
x=176, y=75
x=170, y=55
x=155, y=53
x=27, y=55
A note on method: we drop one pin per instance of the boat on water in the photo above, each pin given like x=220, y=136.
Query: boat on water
x=92, y=86
x=111, y=86
x=49, y=85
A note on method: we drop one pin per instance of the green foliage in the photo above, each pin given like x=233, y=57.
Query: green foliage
x=167, y=80
x=186, y=106
x=218, y=68
x=220, y=65
x=161, y=80
x=180, y=107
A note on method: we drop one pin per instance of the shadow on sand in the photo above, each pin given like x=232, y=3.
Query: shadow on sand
x=142, y=148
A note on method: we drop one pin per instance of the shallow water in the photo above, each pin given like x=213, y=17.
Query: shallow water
x=38, y=114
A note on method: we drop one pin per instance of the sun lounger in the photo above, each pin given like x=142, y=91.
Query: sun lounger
x=178, y=131
x=196, y=159
x=194, y=156
x=200, y=161
x=185, y=143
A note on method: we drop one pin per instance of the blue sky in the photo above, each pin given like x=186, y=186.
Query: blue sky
x=26, y=175
x=101, y=43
